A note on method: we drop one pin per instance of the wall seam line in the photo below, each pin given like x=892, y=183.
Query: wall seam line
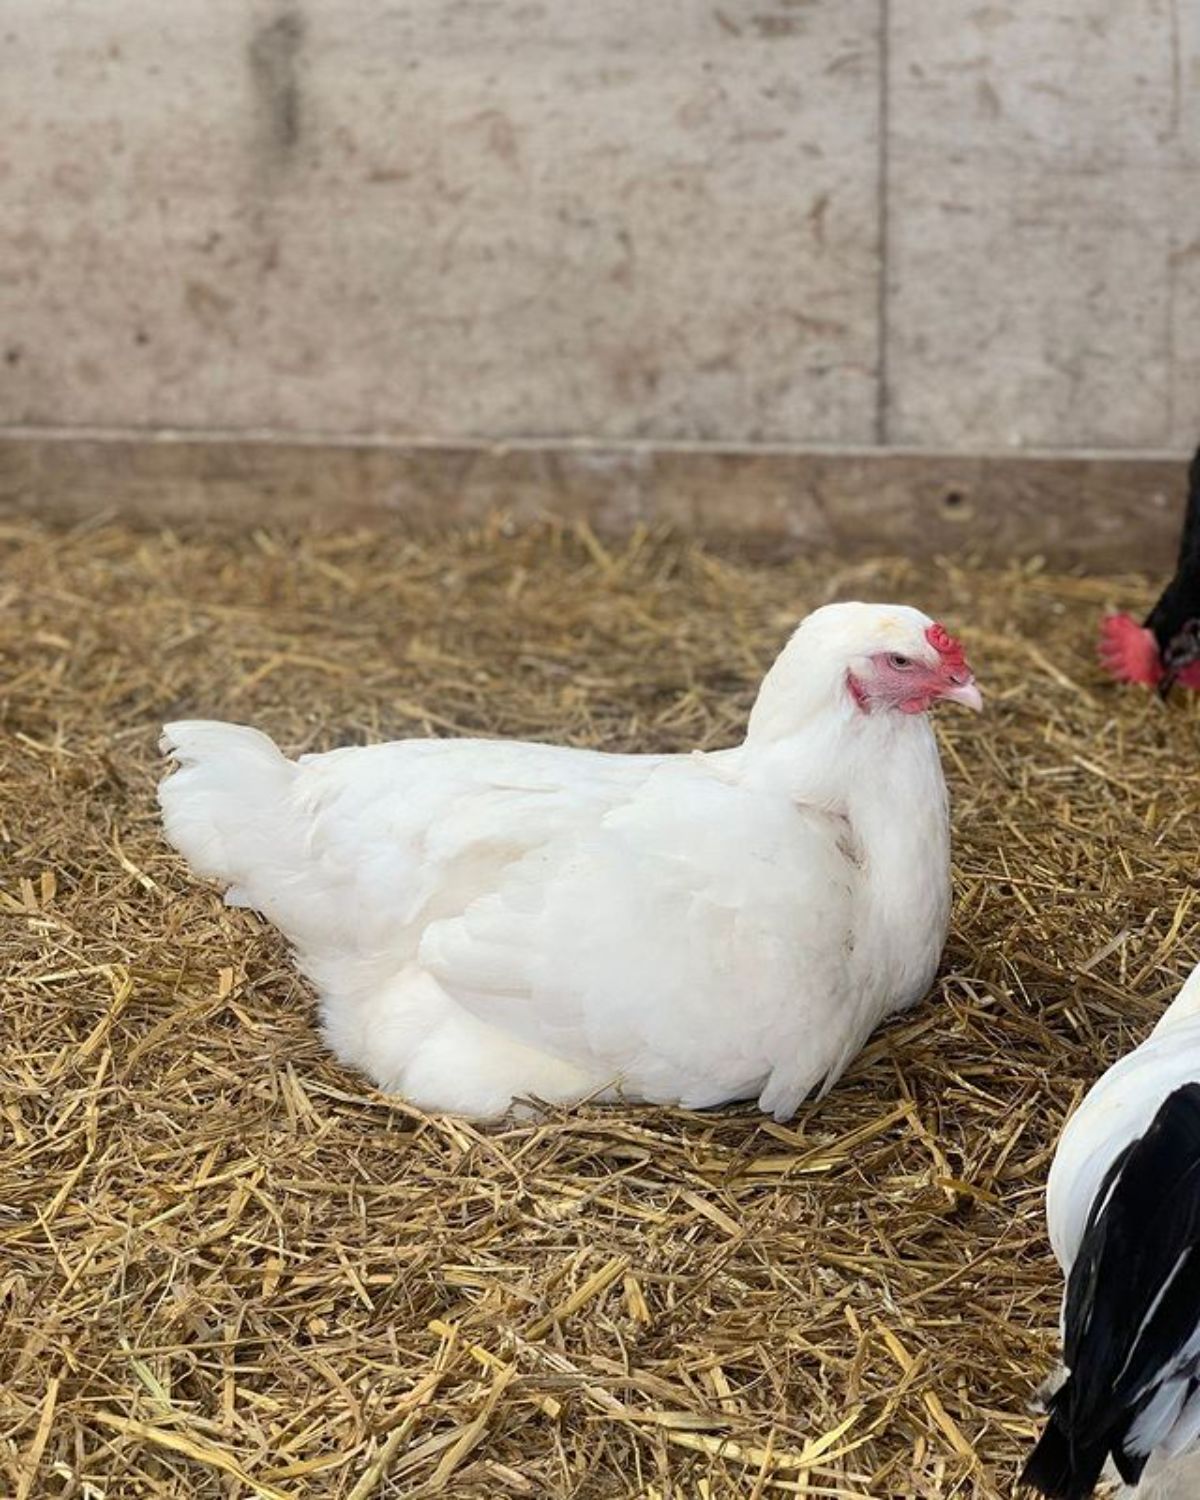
x=882, y=386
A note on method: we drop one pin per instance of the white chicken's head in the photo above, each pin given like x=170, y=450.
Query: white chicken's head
x=871, y=658
x=899, y=660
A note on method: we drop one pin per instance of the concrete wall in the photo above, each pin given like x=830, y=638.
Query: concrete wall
x=797, y=222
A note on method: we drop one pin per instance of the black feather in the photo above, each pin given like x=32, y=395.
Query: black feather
x=1063, y=1472
x=1132, y=1306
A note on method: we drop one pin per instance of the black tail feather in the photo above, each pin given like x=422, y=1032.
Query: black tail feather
x=1130, y=1465
x=1060, y=1471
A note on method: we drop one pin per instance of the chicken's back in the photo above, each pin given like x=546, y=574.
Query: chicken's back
x=348, y=850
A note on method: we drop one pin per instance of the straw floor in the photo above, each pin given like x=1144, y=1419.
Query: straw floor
x=229, y=1268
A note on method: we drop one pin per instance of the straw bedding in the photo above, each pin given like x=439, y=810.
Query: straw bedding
x=229, y=1268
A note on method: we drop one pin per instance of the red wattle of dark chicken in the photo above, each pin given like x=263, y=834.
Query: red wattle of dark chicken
x=1166, y=649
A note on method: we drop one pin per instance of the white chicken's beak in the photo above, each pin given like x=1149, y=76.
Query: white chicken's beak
x=965, y=693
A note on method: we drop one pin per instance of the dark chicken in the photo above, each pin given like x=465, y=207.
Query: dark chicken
x=1166, y=649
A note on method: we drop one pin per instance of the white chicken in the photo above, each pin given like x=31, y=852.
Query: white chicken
x=1123, y=1210
x=488, y=922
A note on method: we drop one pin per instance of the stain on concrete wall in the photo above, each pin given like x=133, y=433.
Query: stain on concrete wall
x=746, y=221
x=273, y=55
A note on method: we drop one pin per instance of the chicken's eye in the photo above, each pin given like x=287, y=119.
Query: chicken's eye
x=898, y=661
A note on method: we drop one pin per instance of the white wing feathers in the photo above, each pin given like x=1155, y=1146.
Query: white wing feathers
x=682, y=935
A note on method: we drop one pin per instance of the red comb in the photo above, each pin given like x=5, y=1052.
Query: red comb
x=1128, y=651
x=946, y=646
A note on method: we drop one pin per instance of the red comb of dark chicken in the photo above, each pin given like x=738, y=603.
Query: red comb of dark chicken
x=1128, y=651
x=1166, y=649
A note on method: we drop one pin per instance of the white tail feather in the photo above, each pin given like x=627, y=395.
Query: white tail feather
x=226, y=805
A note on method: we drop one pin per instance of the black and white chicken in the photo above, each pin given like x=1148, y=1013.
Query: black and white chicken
x=1123, y=1210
